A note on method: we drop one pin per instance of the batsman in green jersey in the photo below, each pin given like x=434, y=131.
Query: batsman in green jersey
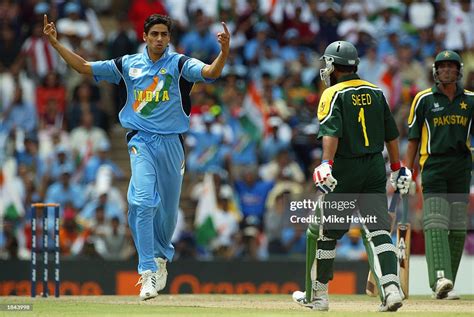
x=355, y=123
x=440, y=126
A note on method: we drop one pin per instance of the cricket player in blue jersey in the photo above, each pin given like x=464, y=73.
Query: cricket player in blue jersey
x=156, y=85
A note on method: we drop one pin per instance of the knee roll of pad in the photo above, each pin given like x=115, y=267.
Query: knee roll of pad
x=436, y=213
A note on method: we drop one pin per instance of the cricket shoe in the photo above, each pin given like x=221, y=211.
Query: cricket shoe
x=443, y=288
x=449, y=296
x=148, y=282
x=393, y=299
x=320, y=302
x=161, y=274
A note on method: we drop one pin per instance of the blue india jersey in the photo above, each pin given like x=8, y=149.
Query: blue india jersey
x=157, y=94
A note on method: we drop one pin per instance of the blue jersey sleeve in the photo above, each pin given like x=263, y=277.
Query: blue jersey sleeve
x=106, y=70
x=192, y=70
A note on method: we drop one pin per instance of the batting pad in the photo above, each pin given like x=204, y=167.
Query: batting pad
x=457, y=234
x=382, y=256
x=435, y=227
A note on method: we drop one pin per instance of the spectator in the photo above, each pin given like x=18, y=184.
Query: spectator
x=86, y=138
x=70, y=233
x=200, y=43
x=141, y=9
x=27, y=154
x=275, y=220
x=351, y=246
x=20, y=115
x=60, y=160
x=253, y=244
x=255, y=46
x=38, y=56
x=460, y=23
x=111, y=209
x=271, y=63
x=388, y=21
x=101, y=158
x=86, y=98
x=50, y=88
x=64, y=191
x=370, y=68
x=282, y=168
x=293, y=239
x=421, y=14
x=53, y=117
x=276, y=140
x=225, y=223
x=10, y=48
x=113, y=241
x=72, y=23
x=252, y=193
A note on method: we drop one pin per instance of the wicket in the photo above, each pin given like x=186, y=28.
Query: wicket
x=36, y=250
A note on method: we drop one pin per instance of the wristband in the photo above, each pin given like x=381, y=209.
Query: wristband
x=330, y=162
x=395, y=166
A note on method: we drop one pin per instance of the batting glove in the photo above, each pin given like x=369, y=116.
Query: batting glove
x=400, y=178
x=322, y=177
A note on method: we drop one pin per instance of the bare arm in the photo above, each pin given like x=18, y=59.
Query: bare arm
x=411, y=152
x=330, y=144
x=214, y=70
x=393, y=151
x=72, y=59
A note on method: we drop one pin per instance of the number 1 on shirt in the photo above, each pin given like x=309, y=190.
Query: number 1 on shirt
x=362, y=122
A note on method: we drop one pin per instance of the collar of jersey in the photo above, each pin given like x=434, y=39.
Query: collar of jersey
x=459, y=90
x=148, y=59
x=348, y=77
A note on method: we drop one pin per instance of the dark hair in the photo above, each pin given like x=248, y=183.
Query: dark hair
x=345, y=68
x=157, y=19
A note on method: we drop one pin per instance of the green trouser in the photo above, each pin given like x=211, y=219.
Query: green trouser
x=362, y=180
x=446, y=183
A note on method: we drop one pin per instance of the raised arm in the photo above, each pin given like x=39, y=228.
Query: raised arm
x=214, y=70
x=72, y=59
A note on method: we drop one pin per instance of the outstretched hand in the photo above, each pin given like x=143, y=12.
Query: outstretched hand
x=224, y=38
x=49, y=29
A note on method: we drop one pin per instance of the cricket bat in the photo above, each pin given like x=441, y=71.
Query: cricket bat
x=403, y=246
x=371, y=287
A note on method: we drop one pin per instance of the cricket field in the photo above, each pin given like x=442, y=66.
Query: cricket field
x=226, y=305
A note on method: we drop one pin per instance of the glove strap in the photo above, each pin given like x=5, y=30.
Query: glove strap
x=395, y=166
x=330, y=162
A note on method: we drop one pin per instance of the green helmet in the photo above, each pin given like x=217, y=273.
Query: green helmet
x=343, y=53
x=444, y=56
x=448, y=56
x=338, y=53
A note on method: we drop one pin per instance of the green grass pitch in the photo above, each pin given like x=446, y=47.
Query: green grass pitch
x=228, y=306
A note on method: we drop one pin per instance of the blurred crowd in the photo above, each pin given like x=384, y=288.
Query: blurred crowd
x=252, y=143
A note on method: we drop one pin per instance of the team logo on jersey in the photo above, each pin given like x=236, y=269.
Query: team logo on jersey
x=146, y=100
x=437, y=107
x=162, y=71
x=133, y=150
x=463, y=105
x=134, y=72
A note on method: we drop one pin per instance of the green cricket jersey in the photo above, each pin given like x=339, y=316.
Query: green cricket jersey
x=356, y=112
x=443, y=126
